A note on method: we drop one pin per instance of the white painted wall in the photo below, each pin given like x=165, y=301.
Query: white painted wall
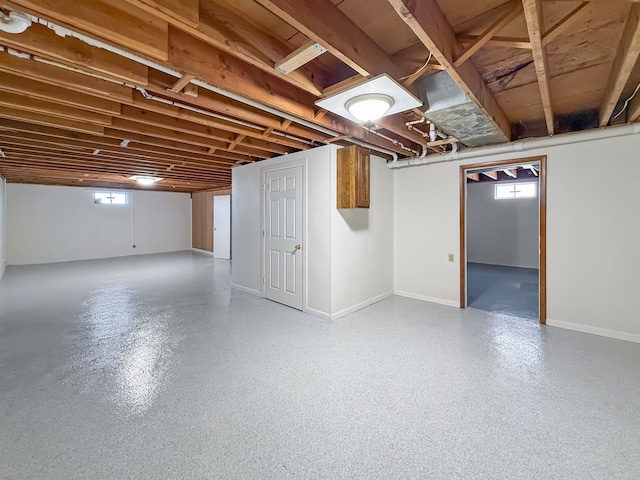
x=48, y=224
x=593, y=233
x=501, y=232
x=362, y=245
x=3, y=227
x=246, y=233
x=349, y=254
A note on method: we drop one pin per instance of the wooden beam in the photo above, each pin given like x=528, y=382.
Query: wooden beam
x=299, y=57
x=507, y=42
x=21, y=102
x=140, y=144
x=504, y=20
x=13, y=84
x=149, y=129
x=180, y=143
x=41, y=119
x=180, y=84
x=430, y=25
x=107, y=163
x=190, y=55
x=227, y=28
x=184, y=11
x=324, y=23
x=40, y=40
x=533, y=15
x=195, y=57
x=443, y=141
x=115, y=20
x=623, y=64
x=236, y=141
x=513, y=173
x=61, y=77
x=562, y=26
x=202, y=119
x=473, y=176
x=227, y=107
x=492, y=175
x=150, y=117
x=111, y=147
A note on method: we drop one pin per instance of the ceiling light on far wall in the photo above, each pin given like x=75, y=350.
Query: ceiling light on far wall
x=14, y=22
x=370, y=100
x=145, y=179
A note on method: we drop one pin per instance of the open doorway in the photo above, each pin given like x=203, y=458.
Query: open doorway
x=503, y=237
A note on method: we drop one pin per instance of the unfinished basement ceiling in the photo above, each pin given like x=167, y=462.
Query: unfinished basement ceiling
x=191, y=88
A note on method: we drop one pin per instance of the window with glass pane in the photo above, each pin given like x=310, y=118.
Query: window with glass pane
x=110, y=198
x=516, y=190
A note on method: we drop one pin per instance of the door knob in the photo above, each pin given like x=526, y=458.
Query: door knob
x=298, y=247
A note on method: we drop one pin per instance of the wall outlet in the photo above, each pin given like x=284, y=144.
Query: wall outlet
x=451, y=257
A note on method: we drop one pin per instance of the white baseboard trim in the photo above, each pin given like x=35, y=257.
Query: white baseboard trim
x=359, y=306
x=440, y=301
x=250, y=291
x=318, y=313
x=206, y=252
x=603, y=332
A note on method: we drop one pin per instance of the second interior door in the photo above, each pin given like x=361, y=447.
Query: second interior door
x=283, y=236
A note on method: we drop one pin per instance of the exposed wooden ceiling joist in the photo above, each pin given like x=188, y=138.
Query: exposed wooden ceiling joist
x=430, y=25
x=514, y=10
x=623, y=64
x=192, y=161
x=61, y=77
x=533, y=15
x=507, y=42
x=326, y=24
x=563, y=25
x=139, y=144
x=40, y=40
x=116, y=20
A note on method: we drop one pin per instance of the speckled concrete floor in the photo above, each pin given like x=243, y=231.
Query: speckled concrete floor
x=509, y=290
x=151, y=367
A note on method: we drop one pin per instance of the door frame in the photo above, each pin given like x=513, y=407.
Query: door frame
x=263, y=215
x=542, y=217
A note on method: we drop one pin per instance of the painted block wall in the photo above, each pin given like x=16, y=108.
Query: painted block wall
x=47, y=224
x=501, y=232
x=593, y=232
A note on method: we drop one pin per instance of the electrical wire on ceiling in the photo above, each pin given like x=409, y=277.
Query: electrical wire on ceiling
x=420, y=69
x=626, y=103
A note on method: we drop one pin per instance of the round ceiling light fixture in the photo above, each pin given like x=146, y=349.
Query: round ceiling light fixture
x=369, y=107
x=14, y=22
x=145, y=179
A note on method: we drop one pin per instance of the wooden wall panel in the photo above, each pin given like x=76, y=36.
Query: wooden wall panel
x=202, y=221
x=202, y=218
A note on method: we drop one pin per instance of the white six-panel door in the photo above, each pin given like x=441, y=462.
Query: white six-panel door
x=283, y=221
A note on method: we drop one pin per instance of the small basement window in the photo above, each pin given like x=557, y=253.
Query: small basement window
x=516, y=190
x=110, y=198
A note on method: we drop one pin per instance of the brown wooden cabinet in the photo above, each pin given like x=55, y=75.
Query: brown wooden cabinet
x=353, y=177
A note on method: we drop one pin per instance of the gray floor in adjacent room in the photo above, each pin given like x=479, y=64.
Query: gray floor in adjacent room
x=152, y=367
x=509, y=290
